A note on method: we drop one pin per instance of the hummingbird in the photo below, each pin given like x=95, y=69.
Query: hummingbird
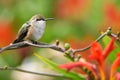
x=32, y=29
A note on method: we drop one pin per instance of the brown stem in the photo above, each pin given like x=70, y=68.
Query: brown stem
x=37, y=73
x=98, y=39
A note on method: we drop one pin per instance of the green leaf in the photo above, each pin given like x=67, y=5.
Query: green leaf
x=112, y=55
x=54, y=66
x=106, y=40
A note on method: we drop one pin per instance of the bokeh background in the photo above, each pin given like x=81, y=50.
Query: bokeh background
x=78, y=22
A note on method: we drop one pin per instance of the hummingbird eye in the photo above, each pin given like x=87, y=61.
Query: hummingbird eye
x=40, y=19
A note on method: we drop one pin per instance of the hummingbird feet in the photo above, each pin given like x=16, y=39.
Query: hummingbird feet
x=38, y=43
x=34, y=42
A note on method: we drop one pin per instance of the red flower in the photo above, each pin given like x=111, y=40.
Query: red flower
x=72, y=65
x=6, y=33
x=112, y=15
x=67, y=8
x=98, y=70
x=96, y=51
x=114, y=67
x=100, y=56
x=117, y=76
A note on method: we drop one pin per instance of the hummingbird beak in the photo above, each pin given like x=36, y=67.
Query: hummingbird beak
x=49, y=19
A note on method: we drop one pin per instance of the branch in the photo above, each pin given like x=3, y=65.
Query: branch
x=31, y=43
x=45, y=45
x=98, y=39
x=70, y=52
x=37, y=73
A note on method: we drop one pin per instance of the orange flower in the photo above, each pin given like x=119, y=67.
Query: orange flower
x=96, y=51
x=72, y=65
x=6, y=33
x=112, y=15
x=98, y=70
x=100, y=56
x=117, y=76
x=114, y=67
x=69, y=8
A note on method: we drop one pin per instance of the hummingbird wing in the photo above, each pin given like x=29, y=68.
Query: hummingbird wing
x=22, y=32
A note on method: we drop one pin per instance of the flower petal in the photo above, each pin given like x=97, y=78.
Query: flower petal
x=117, y=76
x=115, y=66
x=72, y=65
x=96, y=51
x=108, y=49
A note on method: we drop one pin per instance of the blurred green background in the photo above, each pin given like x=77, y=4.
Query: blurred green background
x=78, y=22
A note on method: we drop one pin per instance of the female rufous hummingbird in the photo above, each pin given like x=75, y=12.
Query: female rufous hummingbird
x=32, y=29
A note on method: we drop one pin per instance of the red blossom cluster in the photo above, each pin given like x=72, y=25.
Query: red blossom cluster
x=97, y=68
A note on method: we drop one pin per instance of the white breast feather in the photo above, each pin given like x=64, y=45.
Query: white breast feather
x=38, y=29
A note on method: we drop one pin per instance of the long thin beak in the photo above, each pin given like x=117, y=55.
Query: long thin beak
x=49, y=19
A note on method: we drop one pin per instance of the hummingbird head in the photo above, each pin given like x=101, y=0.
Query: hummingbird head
x=38, y=17
x=38, y=20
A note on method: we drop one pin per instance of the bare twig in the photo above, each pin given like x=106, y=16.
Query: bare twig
x=37, y=73
x=45, y=45
x=98, y=39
